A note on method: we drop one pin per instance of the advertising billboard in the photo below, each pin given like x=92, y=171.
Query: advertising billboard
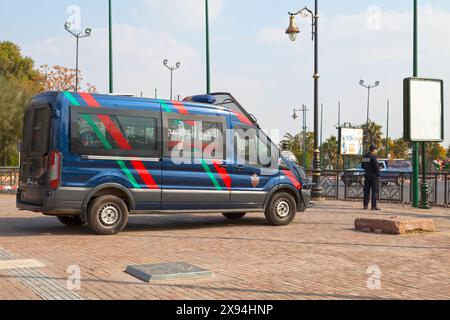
x=424, y=110
x=351, y=141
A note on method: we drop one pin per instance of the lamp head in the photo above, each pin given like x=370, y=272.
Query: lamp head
x=67, y=25
x=294, y=116
x=88, y=31
x=377, y=83
x=178, y=64
x=293, y=29
x=165, y=62
x=361, y=82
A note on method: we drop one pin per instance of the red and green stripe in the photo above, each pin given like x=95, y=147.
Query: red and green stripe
x=118, y=137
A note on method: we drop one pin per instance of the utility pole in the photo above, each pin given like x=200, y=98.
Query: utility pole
x=111, y=80
x=338, y=127
x=208, y=67
x=321, y=135
x=415, y=160
x=304, y=110
x=387, y=128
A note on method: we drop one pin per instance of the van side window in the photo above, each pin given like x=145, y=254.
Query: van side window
x=213, y=141
x=115, y=135
x=250, y=148
x=195, y=139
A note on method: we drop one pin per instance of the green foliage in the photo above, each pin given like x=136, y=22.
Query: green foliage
x=448, y=153
x=18, y=83
x=295, y=145
x=372, y=135
x=330, y=152
x=400, y=148
x=13, y=65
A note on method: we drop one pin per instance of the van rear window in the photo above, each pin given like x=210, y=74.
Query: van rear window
x=114, y=135
x=36, y=131
x=39, y=131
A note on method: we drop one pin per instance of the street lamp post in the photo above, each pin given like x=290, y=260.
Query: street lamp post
x=172, y=69
x=292, y=31
x=369, y=87
x=304, y=110
x=78, y=35
x=111, y=76
x=208, y=67
x=387, y=128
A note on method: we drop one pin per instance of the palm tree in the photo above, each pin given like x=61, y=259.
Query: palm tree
x=295, y=145
x=400, y=148
x=372, y=135
x=330, y=151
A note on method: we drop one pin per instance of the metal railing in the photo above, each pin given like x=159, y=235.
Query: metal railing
x=336, y=184
x=395, y=187
x=9, y=179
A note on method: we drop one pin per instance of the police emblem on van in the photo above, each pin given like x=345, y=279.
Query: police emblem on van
x=255, y=180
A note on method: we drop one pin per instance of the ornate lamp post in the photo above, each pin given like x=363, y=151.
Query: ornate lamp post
x=293, y=31
x=78, y=35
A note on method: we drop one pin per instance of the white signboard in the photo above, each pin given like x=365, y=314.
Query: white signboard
x=424, y=110
x=352, y=142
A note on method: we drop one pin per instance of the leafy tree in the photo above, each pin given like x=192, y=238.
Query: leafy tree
x=330, y=152
x=14, y=65
x=400, y=148
x=18, y=83
x=448, y=152
x=383, y=152
x=58, y=78
x=295, y=145
x=372, y=135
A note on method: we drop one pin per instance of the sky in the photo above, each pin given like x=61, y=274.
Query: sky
x=251, y=57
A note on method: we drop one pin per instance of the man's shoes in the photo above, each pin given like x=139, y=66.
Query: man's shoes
x=376, y=209
x=366, y=208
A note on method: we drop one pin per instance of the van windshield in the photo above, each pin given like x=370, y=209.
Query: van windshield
x=36, y=127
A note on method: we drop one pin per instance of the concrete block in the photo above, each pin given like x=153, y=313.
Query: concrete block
x=395, y=225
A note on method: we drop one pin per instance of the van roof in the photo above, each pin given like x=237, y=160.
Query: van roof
x=134, y=98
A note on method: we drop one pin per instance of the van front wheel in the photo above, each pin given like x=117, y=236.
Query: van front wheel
x=107, y=215
x=281, y=210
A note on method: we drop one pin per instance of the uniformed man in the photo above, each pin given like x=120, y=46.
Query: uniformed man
x=372, y=178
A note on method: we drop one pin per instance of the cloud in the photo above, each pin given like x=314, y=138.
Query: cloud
x=190, y=13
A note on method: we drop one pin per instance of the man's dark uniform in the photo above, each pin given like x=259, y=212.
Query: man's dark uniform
x=372, y=174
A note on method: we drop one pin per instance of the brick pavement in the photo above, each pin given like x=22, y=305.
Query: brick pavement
x=319, y=256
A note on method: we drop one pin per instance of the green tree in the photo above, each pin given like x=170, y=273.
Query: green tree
x=400, y=148
x=19, y=81
x=330, y=152
x=295, y=145
x=14, y=65
x=383, y=152
x=448, y=153
x=372, y=135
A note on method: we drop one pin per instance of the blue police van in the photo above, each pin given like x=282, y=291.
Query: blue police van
x=95, y=159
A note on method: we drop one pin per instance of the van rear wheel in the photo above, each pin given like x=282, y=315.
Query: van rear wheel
x=234, y=216
x=107, y=215
x=73, y=221
x=281, y=210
